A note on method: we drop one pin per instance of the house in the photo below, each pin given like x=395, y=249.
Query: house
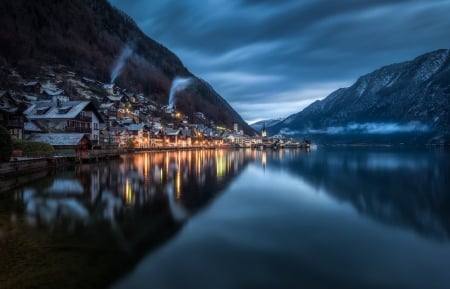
x=106, y=106
x=108, y=109
x=136, y=132
x=74, y=144
x=11, y=114
x=32, y=87
x=109, y=88
x=200, y=115
x=125, y=121
x=169, y=109
x=50, y=93
x=122, y=136
x=114, y=98
x=157, y=125
x=156, y=137
x=186, y=132
x=152, y=107
x=108, y=136
x=171, y=136
x=88, y=80
x=49, y=90
x=29, y=98
x=234, y=138
x=66, y=117
x=131, y=96
x=30, y=127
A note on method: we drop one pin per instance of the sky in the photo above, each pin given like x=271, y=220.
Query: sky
x=272, y=58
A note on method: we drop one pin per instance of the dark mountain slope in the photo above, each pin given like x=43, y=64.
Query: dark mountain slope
x=404, y=102
x=88, y=36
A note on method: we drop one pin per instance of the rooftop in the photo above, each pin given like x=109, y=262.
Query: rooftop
x=50, y=110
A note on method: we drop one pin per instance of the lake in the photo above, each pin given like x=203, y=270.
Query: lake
x=334, y=217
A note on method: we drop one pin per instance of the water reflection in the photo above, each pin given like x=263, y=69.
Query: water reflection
x=121, y=209
x=407, y=187
x=331, y=218
x=184, y=180
x=284, y=213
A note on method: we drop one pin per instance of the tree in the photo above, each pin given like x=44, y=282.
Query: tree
x=5, y=145
x=130, y=143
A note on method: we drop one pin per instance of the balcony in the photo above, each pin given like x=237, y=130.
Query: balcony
x=84, y=118
x=78, y=129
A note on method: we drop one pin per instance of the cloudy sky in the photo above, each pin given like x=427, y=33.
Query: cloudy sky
x=271, y=58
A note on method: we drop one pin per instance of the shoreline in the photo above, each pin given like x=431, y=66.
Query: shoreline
x=22, y=170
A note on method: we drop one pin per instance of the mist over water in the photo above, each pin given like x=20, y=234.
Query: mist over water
x=120, y=62
x=374, y=128
x=178, y=84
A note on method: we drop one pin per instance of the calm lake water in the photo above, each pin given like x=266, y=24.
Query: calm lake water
x=328, y=218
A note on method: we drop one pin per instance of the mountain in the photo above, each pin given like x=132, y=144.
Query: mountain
x=257, y=126
x=89, y=36
x=404, y=102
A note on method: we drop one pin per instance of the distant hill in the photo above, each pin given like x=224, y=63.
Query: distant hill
x=404, y=102
x=88, y=36
x=257, y=126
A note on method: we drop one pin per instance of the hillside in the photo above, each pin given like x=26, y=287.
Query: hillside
x=404, y=102
x=89, y=36
x=257, y=126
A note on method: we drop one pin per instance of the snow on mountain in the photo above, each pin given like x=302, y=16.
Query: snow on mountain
x=410, y=98
x=257, y=126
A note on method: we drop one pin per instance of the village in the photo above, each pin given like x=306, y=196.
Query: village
x=76, y=114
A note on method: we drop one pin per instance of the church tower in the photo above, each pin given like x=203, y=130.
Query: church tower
x=263, y=131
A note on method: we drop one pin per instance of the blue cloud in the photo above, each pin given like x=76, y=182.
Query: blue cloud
x=296, y=45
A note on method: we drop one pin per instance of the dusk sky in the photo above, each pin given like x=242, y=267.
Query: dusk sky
x=271, y=58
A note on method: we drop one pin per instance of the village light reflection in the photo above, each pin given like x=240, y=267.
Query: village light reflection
x=221, y=165
x=264, y=159
x=146, y=165
x=178, y=184
x=179, y=170
x=108, y=191
x=128, y=192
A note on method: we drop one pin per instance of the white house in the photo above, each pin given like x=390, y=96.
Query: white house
x=66, y=116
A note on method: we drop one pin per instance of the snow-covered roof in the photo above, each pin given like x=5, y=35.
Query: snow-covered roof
x=30, y=97
x=155, y=131
x=48, y=85
x=30, y=83
x=125, y=120
x=115, y=97
x=108, y=86
x=233, y=135
x=157, y=125
x=88, y=79
x=170, y=131
x=31, y=126
x=136, y=127
x=8, y=103
x=49, y=110
x=9, y=109
x=106, y=105
x=53, y=92
x=58, y=139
